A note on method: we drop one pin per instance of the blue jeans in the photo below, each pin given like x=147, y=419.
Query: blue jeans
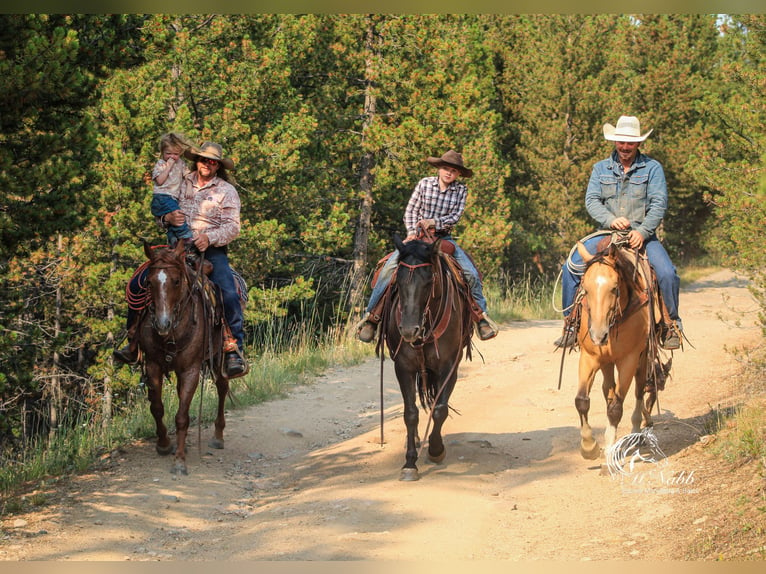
x=469, y=271
x=667, y=278
x=222, y=277
x=162, y=204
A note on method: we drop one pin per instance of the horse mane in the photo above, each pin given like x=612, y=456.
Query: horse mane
x=622, y=259
x=417, y=249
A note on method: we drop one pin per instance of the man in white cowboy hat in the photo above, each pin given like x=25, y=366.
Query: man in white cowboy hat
x=211, y=205
x=436, y=204
x=627, y=192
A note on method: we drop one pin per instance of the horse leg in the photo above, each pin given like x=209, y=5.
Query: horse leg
x=153, y=378
x=626, y=370
x=436, y=449
x=613, y=402
x=222, y=385
x=186, y=386
x=643, y=411
x=587, y=371
x=407, y=385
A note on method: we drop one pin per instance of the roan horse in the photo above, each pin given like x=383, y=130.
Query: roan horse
x=182, y=332
x=615, y=328
x=426, y=325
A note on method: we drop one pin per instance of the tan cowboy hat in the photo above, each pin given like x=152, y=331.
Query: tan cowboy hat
x=628, y=129
x=209, y=150
x=451, y=159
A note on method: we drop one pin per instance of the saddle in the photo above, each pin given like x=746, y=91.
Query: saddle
x=658, y=372
x=200, y=272
x=447, y=249
x=658, y=311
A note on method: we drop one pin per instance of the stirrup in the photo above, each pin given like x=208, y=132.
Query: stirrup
x=567, y=339
x=486, y=328
x=366, y=330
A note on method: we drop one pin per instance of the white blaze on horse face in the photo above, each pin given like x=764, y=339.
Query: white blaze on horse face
x=601, y=281
x=162, y=277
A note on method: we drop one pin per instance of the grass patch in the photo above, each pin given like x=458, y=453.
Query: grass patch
x=79, y=445
x=525, y=299
x=745, y=438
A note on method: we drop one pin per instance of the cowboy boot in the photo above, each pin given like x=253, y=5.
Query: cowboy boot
x=568, y=339
x=234, y=363
x=367, y=329
x=129, y=354
x=486, y=328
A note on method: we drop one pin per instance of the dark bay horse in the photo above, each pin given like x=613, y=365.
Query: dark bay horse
x=615, y=328
x=426, y=325
x=180, y=332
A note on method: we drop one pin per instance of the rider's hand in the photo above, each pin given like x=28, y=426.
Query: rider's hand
x=175, y=218
x=635, y=239
x=427, y=223
x=621, y=223
x=202, y=241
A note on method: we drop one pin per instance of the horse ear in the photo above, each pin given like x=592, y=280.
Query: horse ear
x=584, y=253
x=398, y=243
x=179, y=249
x=147, y=249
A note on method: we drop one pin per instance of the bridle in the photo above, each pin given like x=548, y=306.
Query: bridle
x=442, y=289
x=182, y=302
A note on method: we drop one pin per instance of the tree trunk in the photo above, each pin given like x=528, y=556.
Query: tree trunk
x=358, y=273
x=54, y=404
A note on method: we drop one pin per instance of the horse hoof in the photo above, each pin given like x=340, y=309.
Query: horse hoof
x=165, y=450
x=438, y=458
x=409, y=475
x=215, y=443
x=591, y=453
x=179, y=468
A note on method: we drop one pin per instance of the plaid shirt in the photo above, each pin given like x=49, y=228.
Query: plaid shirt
x=212, y=209
x=429, y=202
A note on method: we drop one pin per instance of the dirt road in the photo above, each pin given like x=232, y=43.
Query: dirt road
x=305, y=478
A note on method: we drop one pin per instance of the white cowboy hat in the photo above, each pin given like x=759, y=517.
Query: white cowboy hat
x=628, y=129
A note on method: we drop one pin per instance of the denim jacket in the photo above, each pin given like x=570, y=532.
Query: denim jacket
x=640, y=194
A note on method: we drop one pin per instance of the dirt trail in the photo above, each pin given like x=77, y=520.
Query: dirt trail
x=305, y=478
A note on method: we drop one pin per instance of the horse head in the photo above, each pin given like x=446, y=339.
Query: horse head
x=168, y=284
x=418, y=262
x=601, y=288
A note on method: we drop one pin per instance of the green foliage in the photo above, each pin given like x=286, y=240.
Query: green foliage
x=730, y=165
x=85, y=99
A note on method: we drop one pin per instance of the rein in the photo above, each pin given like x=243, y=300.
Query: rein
x=179, y=311
x=443, y=316
x=439, y=320
x=182, y=302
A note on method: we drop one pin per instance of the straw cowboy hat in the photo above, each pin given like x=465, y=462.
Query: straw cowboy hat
x=451, y=159
x=209, y=150
x=628, y=129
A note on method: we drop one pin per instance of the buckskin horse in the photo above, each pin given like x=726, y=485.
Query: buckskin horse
x=614, y=331
x=181, y=332
x=426, y=325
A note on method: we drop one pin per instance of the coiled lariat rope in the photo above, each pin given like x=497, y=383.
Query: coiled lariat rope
x=575, y=268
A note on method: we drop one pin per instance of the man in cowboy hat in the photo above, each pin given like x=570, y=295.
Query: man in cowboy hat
x=436, y=204
x=627, y=192
x=208, y=185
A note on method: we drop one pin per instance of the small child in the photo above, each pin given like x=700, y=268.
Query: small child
x=168, y=175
